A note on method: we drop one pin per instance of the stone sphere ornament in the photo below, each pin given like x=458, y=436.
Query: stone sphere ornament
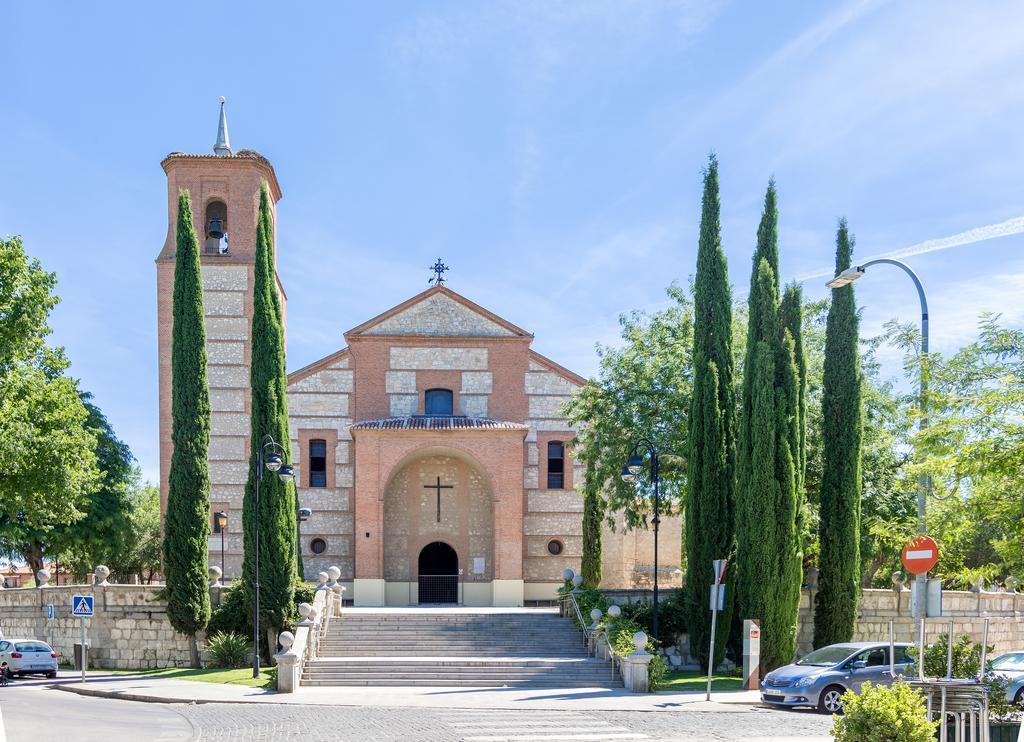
x=214, y=574
x=304, y=610
x=614, y=611
x=640, y=641
x=595, y=615
x=577, y=581
x=286, y=639
x=42, y=577
x=321, y=580
x=567, y=574
x=1012, y=583
x=334, y=573
x=101, y=573
x=897, y=581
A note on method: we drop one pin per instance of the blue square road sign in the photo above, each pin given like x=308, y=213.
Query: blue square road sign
x=82, y=606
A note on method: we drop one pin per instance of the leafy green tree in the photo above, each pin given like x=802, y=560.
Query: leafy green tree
x=187, y=522
x=835, y=609
x=768, y=556
x=642, y=389
x=47, y=458
x=104, y=535
x=278, y=525
x=709, y=503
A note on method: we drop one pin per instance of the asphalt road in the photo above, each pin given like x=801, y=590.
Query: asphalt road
x=31, y=711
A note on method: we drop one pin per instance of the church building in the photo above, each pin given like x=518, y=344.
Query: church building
x=431, y=445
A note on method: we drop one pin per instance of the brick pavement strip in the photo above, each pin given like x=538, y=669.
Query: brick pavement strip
x=230, y=722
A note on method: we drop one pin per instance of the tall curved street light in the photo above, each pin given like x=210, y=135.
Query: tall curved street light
x=271, y=456
x=634, y=465
x=845, y=278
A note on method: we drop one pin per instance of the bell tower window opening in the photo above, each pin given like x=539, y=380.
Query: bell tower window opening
x=216, y=229
x=556, y=465
x=438, y=402
x=318, y=463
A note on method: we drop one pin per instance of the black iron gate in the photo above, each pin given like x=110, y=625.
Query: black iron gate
x=439, y=589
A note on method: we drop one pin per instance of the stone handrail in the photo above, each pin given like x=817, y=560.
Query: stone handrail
x=301, y=647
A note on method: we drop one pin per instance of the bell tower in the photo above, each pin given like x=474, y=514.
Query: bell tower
x=225, y=191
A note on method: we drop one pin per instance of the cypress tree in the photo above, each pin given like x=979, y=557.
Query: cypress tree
x=593, y=516
x=187, y=521
x=709, y=503
x=835, y=608
x=269, y=415
x=766, y=496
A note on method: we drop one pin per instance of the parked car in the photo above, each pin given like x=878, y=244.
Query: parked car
x=1011, y=667
x=25, y=656
x=820, y=678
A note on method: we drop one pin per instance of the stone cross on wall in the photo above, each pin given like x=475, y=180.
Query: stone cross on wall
x=438, y=487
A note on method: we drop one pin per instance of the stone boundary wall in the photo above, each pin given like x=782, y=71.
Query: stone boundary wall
x=130, y=630
x=968, y=612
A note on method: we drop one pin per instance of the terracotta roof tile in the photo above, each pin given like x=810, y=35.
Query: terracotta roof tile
x=440, y=422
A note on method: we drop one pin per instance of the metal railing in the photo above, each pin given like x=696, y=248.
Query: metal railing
x=576, y=613
x=571, y=607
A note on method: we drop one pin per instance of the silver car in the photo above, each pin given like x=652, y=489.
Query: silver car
x=820, y=678
x=1011, y=667
x=24, y=656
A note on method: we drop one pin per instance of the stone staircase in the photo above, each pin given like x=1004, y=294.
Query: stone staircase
x=455, y=647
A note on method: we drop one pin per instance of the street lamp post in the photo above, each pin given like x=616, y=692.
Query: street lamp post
x=222, y=524
x=634, y=464
x=270, y=455
x=845, y=278
x=304, y=515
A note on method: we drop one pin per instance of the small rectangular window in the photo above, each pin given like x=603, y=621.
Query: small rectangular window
x=318, y=463
x=556, y=465
x=438, y=402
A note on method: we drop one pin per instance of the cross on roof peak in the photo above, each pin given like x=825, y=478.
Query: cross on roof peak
x=439, y=269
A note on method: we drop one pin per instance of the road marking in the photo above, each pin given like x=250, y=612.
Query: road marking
x=538, y=737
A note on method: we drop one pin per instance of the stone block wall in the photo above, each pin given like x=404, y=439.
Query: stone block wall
x=130, y=630
x=968, y=612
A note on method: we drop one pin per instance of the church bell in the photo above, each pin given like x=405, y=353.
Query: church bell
x=216, y=229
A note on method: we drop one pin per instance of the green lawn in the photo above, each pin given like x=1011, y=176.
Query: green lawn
x=237, y=676
x=694, y=681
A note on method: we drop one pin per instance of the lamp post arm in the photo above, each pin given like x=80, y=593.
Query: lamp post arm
x=920, y=292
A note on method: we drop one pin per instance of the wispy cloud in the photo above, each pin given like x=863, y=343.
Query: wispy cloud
x=978, y=234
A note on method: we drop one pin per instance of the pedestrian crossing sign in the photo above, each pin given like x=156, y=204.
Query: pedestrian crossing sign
x=82, y=605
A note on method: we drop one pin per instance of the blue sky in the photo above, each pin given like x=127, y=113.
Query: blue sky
x=550, y=152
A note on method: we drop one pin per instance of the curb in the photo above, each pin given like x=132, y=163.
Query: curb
x=129, y=696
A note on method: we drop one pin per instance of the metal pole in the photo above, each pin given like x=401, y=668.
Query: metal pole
x=949, y=651
x=711, y=652
x=920, y=649
x=655, y=475
x=85, y=655
x=923, y=481
x=222, y=572
x=892, y=649
x=256, y=555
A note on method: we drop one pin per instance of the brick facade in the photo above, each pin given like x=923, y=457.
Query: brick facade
x=512, y=533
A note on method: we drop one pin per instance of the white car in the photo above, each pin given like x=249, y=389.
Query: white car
x=25, y=656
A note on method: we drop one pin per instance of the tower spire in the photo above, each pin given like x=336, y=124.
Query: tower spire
x=223, y=146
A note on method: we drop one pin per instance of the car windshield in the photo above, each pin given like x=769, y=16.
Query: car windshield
x=1009, y=662
x=31, y=647
x=827, y=655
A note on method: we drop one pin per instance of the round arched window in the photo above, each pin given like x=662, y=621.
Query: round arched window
x=555, y=547
x=318, y=546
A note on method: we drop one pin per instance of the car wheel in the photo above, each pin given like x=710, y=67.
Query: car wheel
x=51, y=675
x=829, y=702
x=1019, y=698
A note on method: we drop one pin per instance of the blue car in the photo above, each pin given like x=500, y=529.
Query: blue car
x=820, y=678
x=1011, y=667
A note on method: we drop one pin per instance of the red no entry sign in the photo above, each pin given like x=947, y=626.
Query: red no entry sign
x=920, y=555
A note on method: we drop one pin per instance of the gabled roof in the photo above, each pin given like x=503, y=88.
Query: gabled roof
x=438, y=312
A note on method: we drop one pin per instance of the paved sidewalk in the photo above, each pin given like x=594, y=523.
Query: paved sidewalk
x=167, y=690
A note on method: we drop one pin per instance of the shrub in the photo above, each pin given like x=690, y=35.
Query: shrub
x=233, y=614
x=884, y=714
x=229, y=650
